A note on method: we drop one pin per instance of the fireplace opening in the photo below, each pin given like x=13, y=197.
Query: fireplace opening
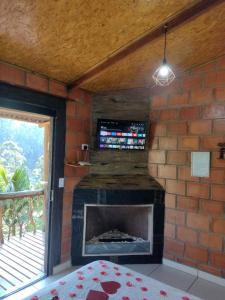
x=117, y=229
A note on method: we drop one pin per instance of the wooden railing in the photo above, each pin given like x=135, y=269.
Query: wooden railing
x=20, y=212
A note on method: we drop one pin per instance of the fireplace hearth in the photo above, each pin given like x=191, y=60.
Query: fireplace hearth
x=118, y=218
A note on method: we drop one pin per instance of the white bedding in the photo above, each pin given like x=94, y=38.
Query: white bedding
x=103, y=280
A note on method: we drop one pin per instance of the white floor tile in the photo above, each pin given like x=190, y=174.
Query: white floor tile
x=175, y=278
x=145, y=269
x=207, y=290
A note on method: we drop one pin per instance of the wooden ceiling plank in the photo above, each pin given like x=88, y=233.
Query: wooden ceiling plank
x=179, y=19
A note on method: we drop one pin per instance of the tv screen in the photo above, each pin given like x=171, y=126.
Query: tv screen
x=121, y=135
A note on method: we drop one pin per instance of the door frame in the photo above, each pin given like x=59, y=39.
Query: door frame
x=23, y=99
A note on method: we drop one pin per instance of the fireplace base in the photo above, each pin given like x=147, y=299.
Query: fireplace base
x=123, y=191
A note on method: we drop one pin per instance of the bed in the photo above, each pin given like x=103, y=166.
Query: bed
x=103, y=280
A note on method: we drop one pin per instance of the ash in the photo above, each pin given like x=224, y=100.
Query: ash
x=115, y=236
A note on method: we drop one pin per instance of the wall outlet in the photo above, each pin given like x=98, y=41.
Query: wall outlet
x=84, y=147
x=61, y=182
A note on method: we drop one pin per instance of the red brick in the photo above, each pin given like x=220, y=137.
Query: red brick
x=190, y=113
x=158, y=101
x=219, y=226
x=175, y=216
x=36, y=82
x=200, y=127
x=175, y=187
x=216, y=176
x=216, y=162
x=192, y=82
x=57, y=88
x=179, y=128
x=196, y=253
x=211, y=142
x=170, y=200
x=219, y=126
x=220, y=94
x=153, y=170
x=187, y=203
x=218, y=259
x=71, y=109
x=83, y=111
x=209, y=269
x=158, y=129
x=66, y=231
x=168, y=143
x=176, y=157
x=211, y=241
x=221, y=63
x=157, y=156
x=208, y=67
x=218, y=192
x=214, y=111
x=178, y=99
x=215, y=79
x=212, y=207
x=198, y=221
x=200, y=96
x=70, y=183
x=184, y=173
x=174, y=247
x=200, y=190
x=186, y=234
x=70, y=139
x=168, y=114
x=189, y=143
x=74, y=124
x=65, y=247
x=165, y=171
x=154, y=143
x=154, y=115
x=12, y=74
x=187, y=262
x=169, y=230
x=76, y=94
x=161, y=181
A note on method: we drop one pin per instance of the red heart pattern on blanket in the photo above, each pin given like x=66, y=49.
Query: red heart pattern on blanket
x=110, y=287
x=96, y=295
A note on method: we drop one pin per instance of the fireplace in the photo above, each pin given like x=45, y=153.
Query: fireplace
x=117, y=230
x=119, y=218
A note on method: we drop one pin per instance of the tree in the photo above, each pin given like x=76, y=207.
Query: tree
x=16, y=210
x=11, y=156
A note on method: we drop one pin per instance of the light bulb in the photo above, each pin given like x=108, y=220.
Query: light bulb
x=164, y=71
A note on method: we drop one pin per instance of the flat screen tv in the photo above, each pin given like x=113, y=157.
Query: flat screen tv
x=121, y=134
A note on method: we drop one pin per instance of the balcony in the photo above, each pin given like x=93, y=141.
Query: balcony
x=22, y=239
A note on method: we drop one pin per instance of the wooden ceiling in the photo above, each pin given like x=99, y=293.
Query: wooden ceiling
x=64, y=39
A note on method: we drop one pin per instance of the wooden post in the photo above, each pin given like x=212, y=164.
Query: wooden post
x=46, y=127
x=1, y=231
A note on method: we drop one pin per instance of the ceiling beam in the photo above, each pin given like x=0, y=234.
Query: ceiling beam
x=176, y=20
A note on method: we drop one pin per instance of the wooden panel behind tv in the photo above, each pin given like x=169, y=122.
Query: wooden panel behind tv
x=120, y=105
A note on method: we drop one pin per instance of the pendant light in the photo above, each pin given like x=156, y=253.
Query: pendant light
x=164, y=75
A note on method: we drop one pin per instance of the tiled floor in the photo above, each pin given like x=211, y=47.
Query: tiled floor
x=181, y=280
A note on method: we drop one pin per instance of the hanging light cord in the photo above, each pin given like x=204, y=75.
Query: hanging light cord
x=165, y=32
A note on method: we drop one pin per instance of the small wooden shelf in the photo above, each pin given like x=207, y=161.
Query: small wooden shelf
x=76, y=165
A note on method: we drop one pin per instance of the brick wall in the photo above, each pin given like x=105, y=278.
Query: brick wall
x=190, y=116
x=78, y=131
x=78, y=110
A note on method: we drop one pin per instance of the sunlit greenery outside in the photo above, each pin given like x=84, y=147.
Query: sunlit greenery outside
x=21, y=169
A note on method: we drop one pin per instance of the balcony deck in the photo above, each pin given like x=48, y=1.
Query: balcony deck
x=21, y=261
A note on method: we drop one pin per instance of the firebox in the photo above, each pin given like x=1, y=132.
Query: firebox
x=117, y=230
x=119, y=218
